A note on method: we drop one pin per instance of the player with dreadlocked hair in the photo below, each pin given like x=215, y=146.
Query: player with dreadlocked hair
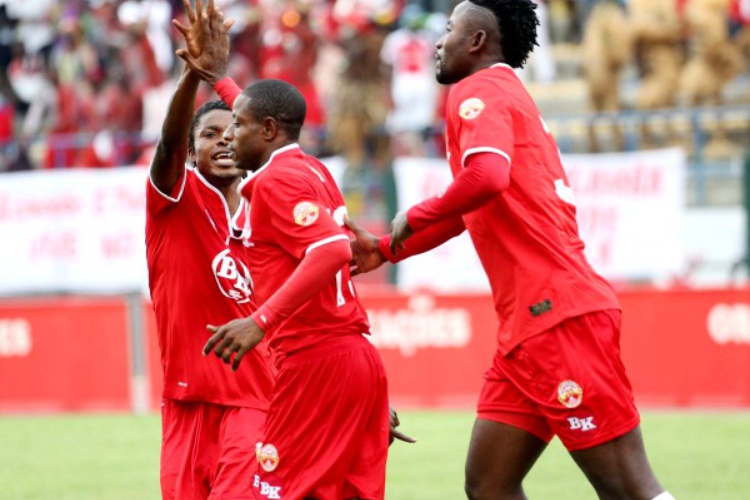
x=557, y=369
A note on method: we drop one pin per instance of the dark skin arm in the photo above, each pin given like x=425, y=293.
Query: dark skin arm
x=172, y=149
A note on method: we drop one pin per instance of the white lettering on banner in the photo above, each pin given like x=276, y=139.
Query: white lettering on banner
x=584, y=424
x=729, y=323
x=15, y=338
x=420, y=326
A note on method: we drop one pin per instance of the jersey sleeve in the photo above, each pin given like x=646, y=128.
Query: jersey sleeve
x=482, y=120
x=156, y=201
x=299, y=215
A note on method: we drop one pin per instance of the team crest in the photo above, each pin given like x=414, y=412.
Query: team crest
x=471, y=108
x=569, y=394
x=305, y=213
x=267, y=456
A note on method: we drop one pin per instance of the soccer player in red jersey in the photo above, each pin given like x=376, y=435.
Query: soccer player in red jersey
x=327, y=432
x=557, y=370
x=211, y=418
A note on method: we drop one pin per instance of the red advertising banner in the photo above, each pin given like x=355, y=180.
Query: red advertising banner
x=688, y=348
x=64, y=354
x=681, y=348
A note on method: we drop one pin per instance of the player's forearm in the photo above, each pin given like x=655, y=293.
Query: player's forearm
x=174, y=130
x=316, y=270
x=486, y=175
x=169, y=158
x=423, y=241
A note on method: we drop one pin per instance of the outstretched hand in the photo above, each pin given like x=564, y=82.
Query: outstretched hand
x=366, y=254
x=207, y=41
x=236, y=337
x=395, y=433
x=400, y=232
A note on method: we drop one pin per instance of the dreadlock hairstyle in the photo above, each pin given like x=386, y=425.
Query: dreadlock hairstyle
x=209, y=106
x=518, y=22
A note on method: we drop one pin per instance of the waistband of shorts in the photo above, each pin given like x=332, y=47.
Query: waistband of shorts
x=331, y=345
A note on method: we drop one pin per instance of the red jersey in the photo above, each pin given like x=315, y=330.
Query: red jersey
x=196, y=278
x=297, y=207
x=527, y=237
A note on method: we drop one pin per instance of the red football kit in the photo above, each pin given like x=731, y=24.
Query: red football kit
x=196, y=278
x=326, y=435
x=527, y=240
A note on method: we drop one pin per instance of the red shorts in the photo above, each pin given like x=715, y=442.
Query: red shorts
x=568, y=381
x=208, y=450
x=326, y=435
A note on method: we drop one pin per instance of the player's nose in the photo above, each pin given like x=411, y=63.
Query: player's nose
x=228, y=134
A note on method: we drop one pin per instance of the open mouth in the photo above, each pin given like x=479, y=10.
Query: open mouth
x=224, y=158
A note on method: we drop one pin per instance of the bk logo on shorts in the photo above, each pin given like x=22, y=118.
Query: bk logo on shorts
x=569, y=394
x=267, y=456
x=232, y=277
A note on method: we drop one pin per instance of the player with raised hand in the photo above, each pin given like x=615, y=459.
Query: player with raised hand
x=557, y=370
x=327, y=431
x=211, y=418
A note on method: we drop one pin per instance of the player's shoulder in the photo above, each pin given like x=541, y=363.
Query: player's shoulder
x=291, y=174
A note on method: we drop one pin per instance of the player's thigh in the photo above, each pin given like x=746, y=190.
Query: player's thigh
x=189, y=449
x=575, y=376
x=366, y=476
x=509, y=435
x=240, y=431
x=315, y=425
x=619, y=468
x=500, y=455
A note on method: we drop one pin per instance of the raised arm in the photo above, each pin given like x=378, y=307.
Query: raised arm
x=171, y=151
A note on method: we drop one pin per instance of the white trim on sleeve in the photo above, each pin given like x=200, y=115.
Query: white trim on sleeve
x=472, y=151
x=182, y=188
x=326, y=241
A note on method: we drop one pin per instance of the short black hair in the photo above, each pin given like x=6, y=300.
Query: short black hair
x=517, y=21
x=279, y=100
x=206, y=108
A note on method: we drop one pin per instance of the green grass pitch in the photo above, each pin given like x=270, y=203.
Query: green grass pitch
x=697, y=455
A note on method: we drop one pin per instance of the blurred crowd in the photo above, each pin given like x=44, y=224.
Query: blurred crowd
x=85, y=82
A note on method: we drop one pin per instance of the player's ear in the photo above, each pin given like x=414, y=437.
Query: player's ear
x=478, y=41
x=270, y=129
x=191, y=157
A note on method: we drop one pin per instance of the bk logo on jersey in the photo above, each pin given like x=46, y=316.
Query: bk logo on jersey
x=569, y=394
x=232, y=277
x=471, y=108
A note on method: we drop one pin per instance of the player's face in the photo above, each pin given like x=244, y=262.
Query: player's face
x=213, y=158
x=244, y=137
x=452, y=64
